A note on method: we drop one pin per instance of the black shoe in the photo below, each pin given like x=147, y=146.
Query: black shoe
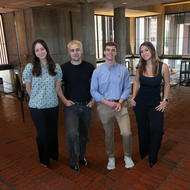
x=151, y=164
x=55, y=158
x=83, y=162
x=76, y=168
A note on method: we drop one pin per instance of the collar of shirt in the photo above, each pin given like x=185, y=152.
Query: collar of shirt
x=108, y=67
x=43, y=66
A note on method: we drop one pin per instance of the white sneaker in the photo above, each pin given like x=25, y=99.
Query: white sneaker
x=111, y=164
x=128, y=162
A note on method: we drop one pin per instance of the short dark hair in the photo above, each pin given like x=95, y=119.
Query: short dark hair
x=110, y=44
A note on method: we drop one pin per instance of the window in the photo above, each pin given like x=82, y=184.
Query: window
x=104, y=32
x=177, y=34
x=146, y=30
x=3, y=50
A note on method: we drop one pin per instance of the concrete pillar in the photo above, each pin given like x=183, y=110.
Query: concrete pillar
x=76, y=26
x=54, y=30
x=120, y=33
x=88, y=33
x=30, y=34
x=64, y=35
x=160, y=35
x=127, y=20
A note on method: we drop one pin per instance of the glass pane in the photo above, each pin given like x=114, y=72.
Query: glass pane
x=3, y=50
x=146, y=30
x=177, y=34
x=104, y=32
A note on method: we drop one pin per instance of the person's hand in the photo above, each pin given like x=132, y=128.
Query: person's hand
x=162, y=106
x=90, y=104
x=69, y=103
x=112, y=104
x=118, y=107
x=132, y=102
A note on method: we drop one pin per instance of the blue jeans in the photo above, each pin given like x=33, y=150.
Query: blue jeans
x=77, y=120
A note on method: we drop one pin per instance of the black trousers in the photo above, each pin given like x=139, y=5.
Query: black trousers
x=46, y=121
x=150, y=130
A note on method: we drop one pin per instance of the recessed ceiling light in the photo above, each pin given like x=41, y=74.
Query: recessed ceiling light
x=124, y=3
x=48, y=4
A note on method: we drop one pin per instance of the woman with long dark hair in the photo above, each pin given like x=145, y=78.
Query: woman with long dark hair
x=43, y=83
x=148, y=106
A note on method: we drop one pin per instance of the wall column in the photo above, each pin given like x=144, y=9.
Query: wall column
x=88, y=33
x=120, y=33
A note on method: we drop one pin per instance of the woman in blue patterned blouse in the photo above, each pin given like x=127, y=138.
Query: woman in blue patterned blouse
x=43, y=83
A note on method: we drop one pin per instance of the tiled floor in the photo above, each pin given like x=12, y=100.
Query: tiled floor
x=20, y=168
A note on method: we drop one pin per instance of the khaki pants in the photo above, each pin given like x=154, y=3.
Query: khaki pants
x=107, y=116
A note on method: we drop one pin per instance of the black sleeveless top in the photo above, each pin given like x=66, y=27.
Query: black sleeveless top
x=149, y=91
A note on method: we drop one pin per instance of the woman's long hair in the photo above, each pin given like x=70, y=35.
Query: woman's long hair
x=37, y=71
x=154, y=59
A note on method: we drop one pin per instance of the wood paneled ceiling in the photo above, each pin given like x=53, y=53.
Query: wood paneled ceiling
x=133, y=7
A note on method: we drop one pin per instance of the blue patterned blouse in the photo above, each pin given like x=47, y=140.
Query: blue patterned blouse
x=43, y=91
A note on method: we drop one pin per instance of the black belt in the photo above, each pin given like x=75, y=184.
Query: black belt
x=114, y=100
x=81, y=102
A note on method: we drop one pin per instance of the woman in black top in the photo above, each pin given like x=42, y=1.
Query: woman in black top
x=148, y=106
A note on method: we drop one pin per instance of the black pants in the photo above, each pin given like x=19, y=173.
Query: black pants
x=46, y=121
x=150, y=130
x=77, y=120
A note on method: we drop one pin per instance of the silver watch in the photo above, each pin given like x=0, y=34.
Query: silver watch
x=165, y=100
